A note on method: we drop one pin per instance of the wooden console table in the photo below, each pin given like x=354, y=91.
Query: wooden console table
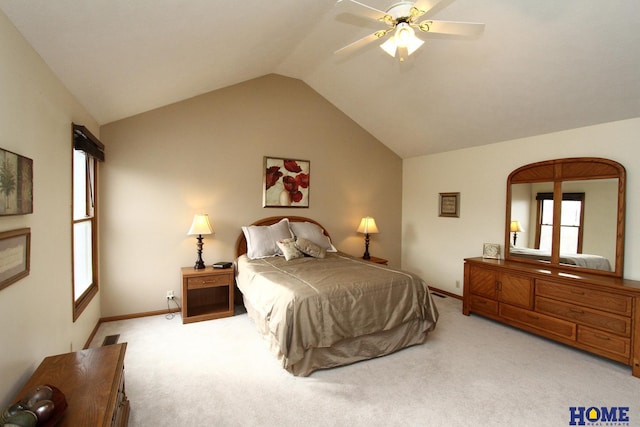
x=93, y=384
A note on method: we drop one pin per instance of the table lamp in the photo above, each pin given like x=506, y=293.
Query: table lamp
x=200, y=226
x=367, y=226
x=515, y=229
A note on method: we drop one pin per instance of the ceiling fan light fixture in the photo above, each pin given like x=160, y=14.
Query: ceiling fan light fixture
x=389, y=46
x=413, y=45
x=404, y=34
x=404, y=39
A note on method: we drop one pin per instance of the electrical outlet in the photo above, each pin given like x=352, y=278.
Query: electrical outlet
x=170, y=295
x=457, y=283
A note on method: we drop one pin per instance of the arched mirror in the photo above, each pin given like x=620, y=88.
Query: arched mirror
x=567, y=213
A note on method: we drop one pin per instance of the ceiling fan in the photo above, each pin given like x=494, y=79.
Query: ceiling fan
x=403, y=19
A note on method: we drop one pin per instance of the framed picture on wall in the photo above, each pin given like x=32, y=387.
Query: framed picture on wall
x=286, y=183
x=15, y=250
x=16, y=184
x=449, y=205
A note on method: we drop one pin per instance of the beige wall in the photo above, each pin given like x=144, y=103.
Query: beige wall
x=205, y=155
x=435, y=247
x=36, y=113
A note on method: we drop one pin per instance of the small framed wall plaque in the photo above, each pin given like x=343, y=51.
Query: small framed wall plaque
x=15, y=250
x=491, y=250
x=449, y=205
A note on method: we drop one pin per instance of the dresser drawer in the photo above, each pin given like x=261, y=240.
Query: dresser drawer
x=548, y=324
x=606, y=301
x=619, y=346
x=597, y=319
x=484, y=305
x=207, y=281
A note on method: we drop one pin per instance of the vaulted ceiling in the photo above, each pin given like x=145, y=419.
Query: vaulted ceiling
x=540, y=66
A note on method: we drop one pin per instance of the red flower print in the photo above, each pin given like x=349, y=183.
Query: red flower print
x=292, y=166
x=303, y=180
x=296, y=196
x=290, y=184
x=272, y=176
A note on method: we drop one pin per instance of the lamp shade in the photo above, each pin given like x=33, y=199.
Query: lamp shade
x=368, y=226
x=200, y=225
x=515, y=227
x=404, y=38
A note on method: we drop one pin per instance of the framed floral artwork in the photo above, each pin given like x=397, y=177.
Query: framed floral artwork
x=285, y=183
x=16, y=184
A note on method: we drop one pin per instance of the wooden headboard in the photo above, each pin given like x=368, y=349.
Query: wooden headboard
x=241, y=242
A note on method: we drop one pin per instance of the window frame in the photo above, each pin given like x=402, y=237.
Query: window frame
x=576, y=197
x=93, y=150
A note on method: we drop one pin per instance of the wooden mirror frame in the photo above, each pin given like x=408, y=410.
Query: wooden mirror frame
x=559, y=171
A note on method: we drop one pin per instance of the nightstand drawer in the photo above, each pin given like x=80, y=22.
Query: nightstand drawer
x=207, y=281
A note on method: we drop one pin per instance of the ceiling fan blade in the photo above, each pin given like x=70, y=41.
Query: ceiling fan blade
x=358, y=8
x=362, y=42
x=425, y=6
x=451, y=27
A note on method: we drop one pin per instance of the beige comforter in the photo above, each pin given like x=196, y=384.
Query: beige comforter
x=319, y=313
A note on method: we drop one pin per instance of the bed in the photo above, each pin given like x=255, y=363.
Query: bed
x=595, y=262
x=326, y=308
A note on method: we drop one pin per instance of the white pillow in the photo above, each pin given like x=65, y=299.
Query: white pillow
x=262, y=240
x=289, y=249
x=313, y=232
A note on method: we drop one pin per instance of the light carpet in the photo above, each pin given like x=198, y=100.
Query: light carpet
x=471, y=372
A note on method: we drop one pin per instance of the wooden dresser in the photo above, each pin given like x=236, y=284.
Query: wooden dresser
x=93, y=384
x=598, y=314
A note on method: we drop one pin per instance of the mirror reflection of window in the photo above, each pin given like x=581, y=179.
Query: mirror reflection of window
x=546, y=224
x=571, y=221
x=571, y=227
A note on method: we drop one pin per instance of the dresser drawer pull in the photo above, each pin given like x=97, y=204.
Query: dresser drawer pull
x=204, y=282
x=576, y=292
x=602, y=337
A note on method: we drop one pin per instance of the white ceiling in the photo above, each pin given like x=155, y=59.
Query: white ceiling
x=540, y=66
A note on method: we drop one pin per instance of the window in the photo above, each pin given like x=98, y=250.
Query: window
x=571, y=221
x=87, y=151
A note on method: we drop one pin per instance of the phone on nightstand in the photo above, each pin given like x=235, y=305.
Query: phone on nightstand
x=222, y=264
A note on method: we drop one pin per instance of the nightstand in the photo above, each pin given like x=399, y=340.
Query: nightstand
x=206, y=293
x=377, y=260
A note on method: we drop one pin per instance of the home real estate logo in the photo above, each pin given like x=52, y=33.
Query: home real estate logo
x=599, y=416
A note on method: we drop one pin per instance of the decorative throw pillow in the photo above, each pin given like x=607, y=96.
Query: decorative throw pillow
x=288, y=248
x=313, y=232
x=262, y=239
x=310, y=248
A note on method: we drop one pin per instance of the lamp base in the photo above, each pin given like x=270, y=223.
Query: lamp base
x=199, y=262
x=366, y=247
